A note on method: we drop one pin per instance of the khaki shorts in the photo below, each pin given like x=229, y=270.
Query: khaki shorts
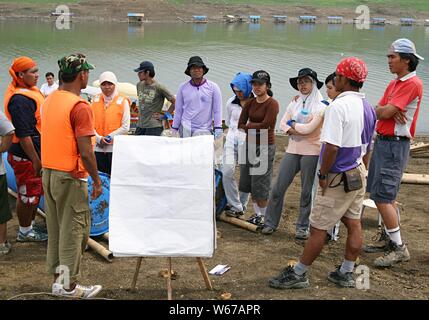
x=336, y=203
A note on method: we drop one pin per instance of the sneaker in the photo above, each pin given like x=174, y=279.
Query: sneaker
x=85, y=292
x=343, y=280
x=267, y=230
x=381, y=244
x=288, y=279
x=257, y=220
x=40, y=228
x=395, y=254
x=31, y=236
x=233, y=214
x=301, y=234
x=5, y=248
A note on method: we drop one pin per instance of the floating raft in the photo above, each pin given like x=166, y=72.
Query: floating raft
x=255, y=19
x=335, y=19
x=307, y=19
x=199, y=19
x=135, y=17
x=407, y=21
x=280, y=19
x=378, y=21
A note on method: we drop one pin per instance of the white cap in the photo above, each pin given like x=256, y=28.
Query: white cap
x=109, y=77
x=404, y=46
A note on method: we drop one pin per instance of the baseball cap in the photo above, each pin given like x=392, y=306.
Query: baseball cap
x=260, y=76
x=404, y=45
x=145, y=66
x=74, y=63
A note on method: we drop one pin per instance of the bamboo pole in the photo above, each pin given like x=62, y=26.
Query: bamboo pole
x=412, y=178
x=102, y=251
x=239, y=223
x=106, y=236
x=205, y=274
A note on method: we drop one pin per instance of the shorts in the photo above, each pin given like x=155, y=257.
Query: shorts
x=29, y=187
x=336, y=203
x=387, y=164
x=256, y=178
x=5, y=213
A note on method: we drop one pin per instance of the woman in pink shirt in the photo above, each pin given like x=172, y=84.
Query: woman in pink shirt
x=302, y=122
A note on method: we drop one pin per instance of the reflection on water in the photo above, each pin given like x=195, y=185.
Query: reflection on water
x=226, y=49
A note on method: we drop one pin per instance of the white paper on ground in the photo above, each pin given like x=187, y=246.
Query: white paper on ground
x=219, y=270
x=162, y=197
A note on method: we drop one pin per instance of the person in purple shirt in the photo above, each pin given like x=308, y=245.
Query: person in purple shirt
x=198, y=104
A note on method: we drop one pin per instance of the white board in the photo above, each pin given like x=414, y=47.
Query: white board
x=161, y=197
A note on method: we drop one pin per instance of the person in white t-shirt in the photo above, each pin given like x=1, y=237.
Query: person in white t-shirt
x=237, y=201
x=50, y=85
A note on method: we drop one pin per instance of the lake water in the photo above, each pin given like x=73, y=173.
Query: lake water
x=226, y=49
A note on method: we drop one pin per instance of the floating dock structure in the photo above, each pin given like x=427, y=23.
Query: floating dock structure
x=307, y=19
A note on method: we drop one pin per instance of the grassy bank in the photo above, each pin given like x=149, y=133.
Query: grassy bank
x=421, y=5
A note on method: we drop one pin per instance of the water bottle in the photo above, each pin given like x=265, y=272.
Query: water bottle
x=302, y=116
x=108, y=139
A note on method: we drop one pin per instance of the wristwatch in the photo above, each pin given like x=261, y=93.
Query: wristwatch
x=322, y=176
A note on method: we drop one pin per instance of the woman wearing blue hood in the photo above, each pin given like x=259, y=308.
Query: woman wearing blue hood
x=242, y=88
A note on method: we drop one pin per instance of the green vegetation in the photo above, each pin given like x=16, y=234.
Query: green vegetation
x=421, y=5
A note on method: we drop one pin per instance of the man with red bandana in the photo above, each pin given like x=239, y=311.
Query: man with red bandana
x=346, y=136
x=22, y=105
x=397, y=113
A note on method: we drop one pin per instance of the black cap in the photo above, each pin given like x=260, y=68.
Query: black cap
x=196, y=61
x=145, y=66
x=261, y=76
x=302, y=73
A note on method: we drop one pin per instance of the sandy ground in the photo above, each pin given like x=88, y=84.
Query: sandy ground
x=253, y=258
x=164, y=11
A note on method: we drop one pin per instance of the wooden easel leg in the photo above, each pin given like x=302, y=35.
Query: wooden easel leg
x=205, y=274
x=169, y=289
x=136, y=273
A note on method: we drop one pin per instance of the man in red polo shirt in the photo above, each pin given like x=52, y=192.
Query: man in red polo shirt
x=397, y=114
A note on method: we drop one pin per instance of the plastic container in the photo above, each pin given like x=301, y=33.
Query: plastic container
x=99, y=207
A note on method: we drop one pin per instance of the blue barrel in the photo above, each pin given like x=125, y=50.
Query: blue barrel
x=99, y=207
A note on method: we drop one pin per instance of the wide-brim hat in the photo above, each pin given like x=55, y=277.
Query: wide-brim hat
x=196, y=61
x=303, y=73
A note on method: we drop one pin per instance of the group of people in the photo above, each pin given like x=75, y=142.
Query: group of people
x=72, y=139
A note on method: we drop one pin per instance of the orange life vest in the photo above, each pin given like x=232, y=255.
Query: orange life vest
x=108, y=119
x=33, y=94
x=59, y=145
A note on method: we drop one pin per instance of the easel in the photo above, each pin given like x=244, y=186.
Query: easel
x=169, y=288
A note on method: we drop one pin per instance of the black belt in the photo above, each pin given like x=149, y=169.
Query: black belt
x=392, y=138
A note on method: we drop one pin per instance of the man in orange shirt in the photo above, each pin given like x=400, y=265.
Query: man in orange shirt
x=67, y=158
x=22, y=103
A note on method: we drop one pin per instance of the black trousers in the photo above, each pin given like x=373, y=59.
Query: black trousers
x=104, y=162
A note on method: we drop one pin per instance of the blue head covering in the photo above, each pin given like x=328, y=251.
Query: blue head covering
x=242, y=82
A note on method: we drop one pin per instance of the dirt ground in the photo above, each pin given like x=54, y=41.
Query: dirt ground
x=253, y=258
x=165, y=11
